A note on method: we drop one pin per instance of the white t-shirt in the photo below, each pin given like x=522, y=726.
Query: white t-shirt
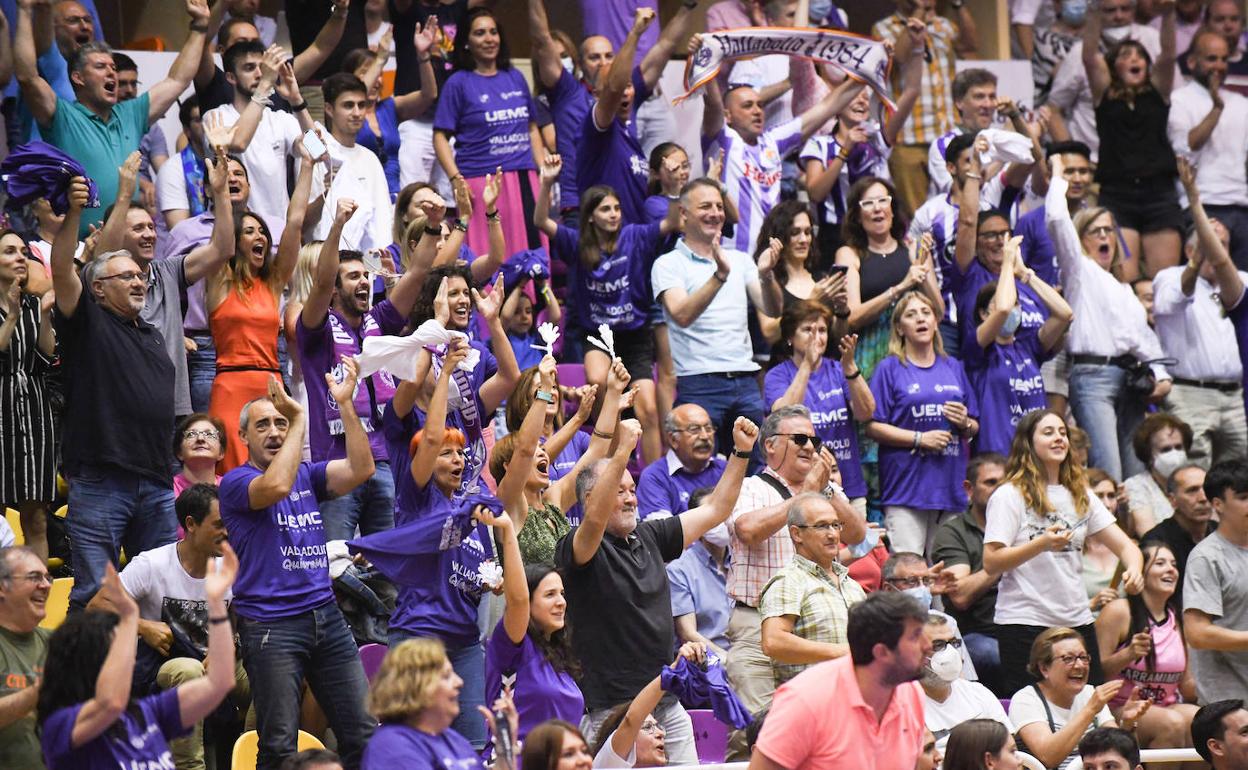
x=265, y=160
x=165, y=592
x=1046, y=590
x=171, y=187
x=7, y=538
x=967, y=700
x=607, y=757
x=1026, y=708
x=361, y=179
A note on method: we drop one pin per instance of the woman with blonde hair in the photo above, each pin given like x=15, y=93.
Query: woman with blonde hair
x=1038, y=520
x=926, y=414
x=1110, y=339
x=415, y=697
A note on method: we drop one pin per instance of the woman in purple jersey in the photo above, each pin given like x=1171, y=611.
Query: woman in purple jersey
x=609, y=263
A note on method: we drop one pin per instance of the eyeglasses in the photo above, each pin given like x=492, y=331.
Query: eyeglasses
x=995, y=235
x=1099, y=231
x=941, y=644
x=871, y=204
x=800, y=439
x=204, y=434
x=1071, y=660
x=911, y=582
x=697, y=430
x=651, y=727
x=38, y=578
x=823, y=529
x=129, y=277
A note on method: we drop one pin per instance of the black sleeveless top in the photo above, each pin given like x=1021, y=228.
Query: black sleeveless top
x=880, y=272
x=1134, y=144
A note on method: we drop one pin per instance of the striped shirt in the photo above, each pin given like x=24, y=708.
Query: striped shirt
x=1049, y=49
x=933, y=112
x=867, y=159
x=937, y=171
x=754, y=565
x=820, y=601
x=752, y=174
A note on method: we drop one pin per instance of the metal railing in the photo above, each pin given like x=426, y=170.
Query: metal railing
x=1155, y=756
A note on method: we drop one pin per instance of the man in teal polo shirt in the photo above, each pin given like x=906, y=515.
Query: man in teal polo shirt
x=96, y=129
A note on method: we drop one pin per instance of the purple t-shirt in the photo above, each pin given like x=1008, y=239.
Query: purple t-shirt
x=567, y=459
x=662, y=492
x=144, y=745
x=540, y=692
x=613, y=19
x=320, y=351
x=283, y=569
x=612, y=156
x=617, y=292
x=396, y=746
x=911, y=397
x=1008, y=385
x=965, y=288
x=1037, y=246
x=489, y=118
x=827, y=398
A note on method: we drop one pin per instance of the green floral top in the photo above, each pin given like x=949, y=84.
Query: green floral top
x=542, y=530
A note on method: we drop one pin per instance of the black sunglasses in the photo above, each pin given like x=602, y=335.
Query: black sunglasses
x=800, y=439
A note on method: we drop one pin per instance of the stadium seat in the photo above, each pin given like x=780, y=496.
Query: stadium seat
x=15, y=523
x=58, y=603
x=571, y=375
x=247, y=747
x=710, y=736
x=371, y=656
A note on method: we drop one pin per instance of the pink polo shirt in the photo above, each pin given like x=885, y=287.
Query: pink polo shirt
x=818, y=719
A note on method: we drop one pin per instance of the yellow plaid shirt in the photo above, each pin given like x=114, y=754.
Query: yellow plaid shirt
x=806, y=591
x=933, y=113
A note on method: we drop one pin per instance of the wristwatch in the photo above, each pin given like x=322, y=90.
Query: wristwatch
x=957, y=4
x=744, y=454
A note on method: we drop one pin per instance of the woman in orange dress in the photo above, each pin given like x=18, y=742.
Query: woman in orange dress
x=243, y=300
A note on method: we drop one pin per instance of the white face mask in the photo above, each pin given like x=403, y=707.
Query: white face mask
x=947, y=664
x=717, y=536
x=1169, y=461
x=1116, y=34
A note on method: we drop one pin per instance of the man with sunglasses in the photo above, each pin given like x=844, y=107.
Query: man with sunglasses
x=24, y=586
x=805, y=606
x=949, y=699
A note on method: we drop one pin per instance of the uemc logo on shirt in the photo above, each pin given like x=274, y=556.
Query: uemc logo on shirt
x=830, y=417
x=508, y=114
x=1027, y=385
x=919, y=411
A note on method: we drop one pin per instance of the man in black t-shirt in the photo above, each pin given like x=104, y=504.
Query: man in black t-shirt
x=618, y=595
x=1192, y=520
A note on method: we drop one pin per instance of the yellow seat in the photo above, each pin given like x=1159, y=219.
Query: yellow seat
x=58, y=602
x=62, y=486
x=247, y=747
x=15, y=523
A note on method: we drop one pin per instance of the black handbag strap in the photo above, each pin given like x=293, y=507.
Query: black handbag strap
x=776, y=484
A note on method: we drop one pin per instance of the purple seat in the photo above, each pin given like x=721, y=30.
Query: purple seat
x=1005, y=704
x=571, y=375
x=710, y=736
x=371, y=656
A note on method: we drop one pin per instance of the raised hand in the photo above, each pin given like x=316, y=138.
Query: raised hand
x=848, y=345
x=221, y=573
x=493, y=188
x=426, y=36
x=344, y=211
x=768, y=260
x=547, y=372
x=489, y=304
x=1187, y=175
x=117, y=594
x=716, y=169
x=216, y=132
x=434, y=209
x=744, y=434
x=342, y=392
x=722, y=265
x=695, y=42
x=916, y=28
x=79, y=194
x=551, y=166
x=198, y=11
x=284, y=404
x=463, y=199
x=128, y=175
x=287, y=85
x=629, y=432
x=1103, y=694
x=441, y=305
x=585, y=406
x=617, y=376
x=456, y=353
x=642, y=17
x=271, y=62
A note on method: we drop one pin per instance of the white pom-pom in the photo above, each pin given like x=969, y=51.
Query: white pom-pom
x=549, y=334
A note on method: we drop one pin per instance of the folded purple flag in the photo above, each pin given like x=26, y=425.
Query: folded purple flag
x=519, y=267
x=697, y=687
x=38, y=170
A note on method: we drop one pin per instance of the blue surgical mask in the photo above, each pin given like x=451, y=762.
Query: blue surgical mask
x=1074, y=12
x=921, y=594
x=819, y=10
x=1012, y=322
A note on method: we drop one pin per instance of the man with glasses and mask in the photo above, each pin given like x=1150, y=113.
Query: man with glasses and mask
x=1071, y=93
x=666, y=484
x=805, y=606
x=796, y=463
x=949, y=699
x=119, y=407
x=24, y=585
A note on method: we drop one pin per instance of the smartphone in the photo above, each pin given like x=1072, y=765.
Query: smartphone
x=313, y=144
x=842, y=269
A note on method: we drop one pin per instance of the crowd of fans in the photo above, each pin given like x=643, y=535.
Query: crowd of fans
x=887, y=434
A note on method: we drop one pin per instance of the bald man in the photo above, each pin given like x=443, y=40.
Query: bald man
x=690, y=464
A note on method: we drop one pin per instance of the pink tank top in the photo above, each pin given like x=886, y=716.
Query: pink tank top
x=1161, y=685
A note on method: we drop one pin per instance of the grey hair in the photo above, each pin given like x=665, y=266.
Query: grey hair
x=771, y=426
x=1172, y=486
x=795, y=514
x=78, y=59
x=669, y=422
x=901, y=558
x=91, y=268
x=937, y=619
x=243, y=418
x=587, y=478
x=7, y=557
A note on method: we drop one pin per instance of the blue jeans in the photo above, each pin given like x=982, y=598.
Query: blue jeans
x=724, y=399
x=370, y=505
x=986, y=656
x=202, y=369
x=469, y=664
x=110, y=509
x=1102, y=408
x=315, y=645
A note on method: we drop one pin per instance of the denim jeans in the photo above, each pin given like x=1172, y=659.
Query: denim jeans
x=110, y=509
x=677, y=730
x=370, y=505
x=987, y=659
x=724, y=399
x=202, y=369
x=469, y=664
x=1102, y=408
x=317, y=646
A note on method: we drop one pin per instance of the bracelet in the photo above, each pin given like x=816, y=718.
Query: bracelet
x=220, y=620
x=457, y=176
x=492, y=217
x=603, y=434
x=839, y=314
x=461, y=226
x=423, y=59
x=690, y=4
x=199, y=27
x=857, y=373
x=545, y=395
x=720, y=278
x=435, y=231
x=843, y=155
x=744, y=455
x=976, y=177
x=299, y=107
x=918, y=438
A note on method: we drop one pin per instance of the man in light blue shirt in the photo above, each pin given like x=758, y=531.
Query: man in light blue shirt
x=706, y=291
